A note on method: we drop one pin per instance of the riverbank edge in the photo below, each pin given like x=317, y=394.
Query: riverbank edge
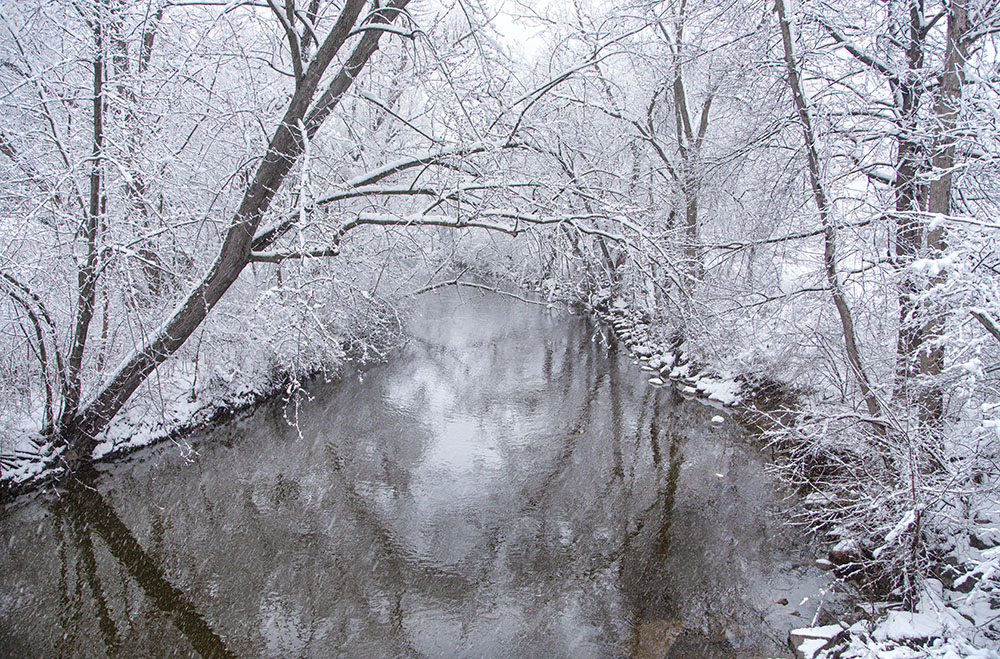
x=668, y=363
x=45, y=470
x=187, y=416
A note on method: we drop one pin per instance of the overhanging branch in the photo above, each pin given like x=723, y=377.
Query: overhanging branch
x=987, y=321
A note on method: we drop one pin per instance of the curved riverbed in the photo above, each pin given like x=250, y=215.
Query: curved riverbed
x=503, y=487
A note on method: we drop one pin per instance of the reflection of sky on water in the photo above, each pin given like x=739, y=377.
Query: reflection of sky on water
x=501, y=488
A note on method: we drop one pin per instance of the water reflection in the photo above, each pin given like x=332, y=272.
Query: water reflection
x=502, y=488
x=82, y=513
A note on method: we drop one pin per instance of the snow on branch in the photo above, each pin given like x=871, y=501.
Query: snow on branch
x=987, y=321
x=392, y=29
x=871, y=61
x=512, y=229
x=403, y=164
x=286, y=255
x=421, y=220
x=361, y=185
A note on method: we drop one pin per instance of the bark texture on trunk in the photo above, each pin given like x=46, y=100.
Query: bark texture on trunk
x=929, y=353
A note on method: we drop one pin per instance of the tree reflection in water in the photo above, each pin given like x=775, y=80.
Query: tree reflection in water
x=504, y=487
x=82, y=513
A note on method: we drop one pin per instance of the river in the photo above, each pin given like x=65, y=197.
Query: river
x=504, y=487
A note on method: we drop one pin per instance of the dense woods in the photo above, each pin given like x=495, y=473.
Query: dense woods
x=204, y=201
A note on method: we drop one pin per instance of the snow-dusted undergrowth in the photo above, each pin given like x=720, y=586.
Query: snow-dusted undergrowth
x=240, y=359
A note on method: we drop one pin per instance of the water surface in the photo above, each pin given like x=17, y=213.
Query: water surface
x=503, y=487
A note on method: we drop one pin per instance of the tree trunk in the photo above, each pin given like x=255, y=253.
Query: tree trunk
x=285, y=147
x=930, y=358
x=829, y=231
x=88, y=272
x=695, y=269
x=909, y=233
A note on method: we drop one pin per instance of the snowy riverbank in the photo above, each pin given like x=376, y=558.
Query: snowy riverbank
x=204, y=384
x=666, y=363
x=945, y=622
x=179, y=405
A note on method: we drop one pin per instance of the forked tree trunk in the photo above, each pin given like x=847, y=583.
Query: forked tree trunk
x=285, y=147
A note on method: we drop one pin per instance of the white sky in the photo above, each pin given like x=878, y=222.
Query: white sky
x=519, y=32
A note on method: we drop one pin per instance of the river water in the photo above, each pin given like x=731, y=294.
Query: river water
x=504, y=487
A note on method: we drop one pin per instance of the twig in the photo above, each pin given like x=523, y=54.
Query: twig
x=469, y=284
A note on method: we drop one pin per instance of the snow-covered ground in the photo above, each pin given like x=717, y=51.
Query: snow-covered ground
x=171, y=404
x=668, y=364
x=945, y=624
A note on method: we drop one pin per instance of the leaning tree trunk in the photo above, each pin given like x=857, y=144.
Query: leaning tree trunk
x=286, y=145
